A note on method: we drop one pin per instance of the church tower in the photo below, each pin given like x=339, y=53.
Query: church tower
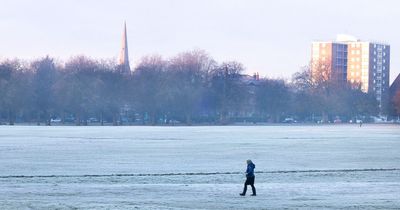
x=123, y=55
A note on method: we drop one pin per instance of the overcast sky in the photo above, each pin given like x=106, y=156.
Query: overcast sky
x=270, y=37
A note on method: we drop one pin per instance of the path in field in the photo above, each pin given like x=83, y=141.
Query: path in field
x=314, y=189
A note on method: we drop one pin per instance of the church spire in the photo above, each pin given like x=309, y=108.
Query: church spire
x=123, y=55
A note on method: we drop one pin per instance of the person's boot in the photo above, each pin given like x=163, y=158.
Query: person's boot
x=244, y=191
x=254, y=191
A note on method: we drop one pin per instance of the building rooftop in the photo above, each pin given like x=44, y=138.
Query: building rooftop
x=345, y=38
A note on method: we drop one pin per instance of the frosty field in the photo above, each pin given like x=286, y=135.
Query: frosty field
x=339, y=167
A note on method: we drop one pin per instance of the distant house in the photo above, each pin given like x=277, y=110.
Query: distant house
x=250, y=80
x=394, y=88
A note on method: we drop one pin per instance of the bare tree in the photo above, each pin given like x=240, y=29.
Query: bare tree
x=45, y=74
x=149, y=80
x=112, y=92
x=272, y=98
x=78, y=87
x=15, y=83
x=227, y=90
x=190, y=87
x=187, y=73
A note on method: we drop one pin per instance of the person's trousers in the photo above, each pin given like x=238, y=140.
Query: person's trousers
x=249, y=181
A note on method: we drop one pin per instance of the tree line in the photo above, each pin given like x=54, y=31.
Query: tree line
x=189, y=88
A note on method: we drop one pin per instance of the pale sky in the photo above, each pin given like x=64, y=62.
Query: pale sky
x=270, y=37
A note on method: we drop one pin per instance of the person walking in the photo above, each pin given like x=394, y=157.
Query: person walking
x=249, y=178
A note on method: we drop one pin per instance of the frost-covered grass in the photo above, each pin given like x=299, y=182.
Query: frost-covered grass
x=199, y=167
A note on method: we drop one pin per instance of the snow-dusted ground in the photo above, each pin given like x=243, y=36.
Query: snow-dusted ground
x=342, y=166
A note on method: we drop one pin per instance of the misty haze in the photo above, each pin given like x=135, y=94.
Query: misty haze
x=212, y=104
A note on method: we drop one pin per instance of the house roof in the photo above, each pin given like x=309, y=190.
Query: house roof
x=395, y=86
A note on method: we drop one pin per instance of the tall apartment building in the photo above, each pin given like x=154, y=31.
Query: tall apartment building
x=329, y=61
x=367, y=64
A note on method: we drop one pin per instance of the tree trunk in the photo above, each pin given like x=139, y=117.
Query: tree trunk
x=48, y=119
x=102, y=118
x=277, y=118
x=188, y=119
x=222, y=116
x=78, y=119
x=324, y=117
x=10, y=117
x=84, y=119
x=63, y=118
x=153, y=118
x=38, y=119
x=120, y=119
x=115, y=123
